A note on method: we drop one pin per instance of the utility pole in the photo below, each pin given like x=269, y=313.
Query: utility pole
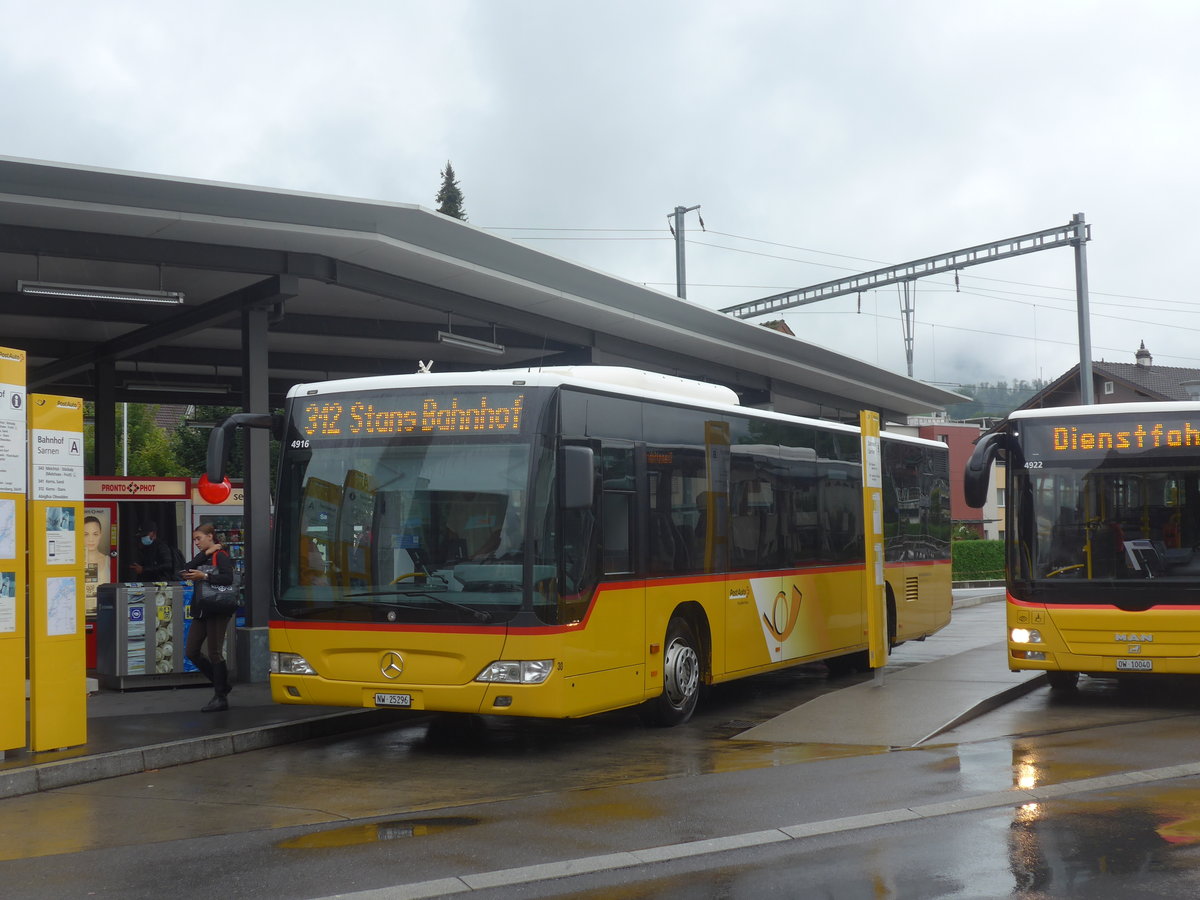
x=677, y=230
x=1087, y=393
x=907, y=312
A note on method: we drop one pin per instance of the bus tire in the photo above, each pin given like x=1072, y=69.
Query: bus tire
x=848, y=664
x=681, y=678
x=1062, y=681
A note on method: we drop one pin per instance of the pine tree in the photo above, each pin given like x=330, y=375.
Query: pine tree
x=449, y=196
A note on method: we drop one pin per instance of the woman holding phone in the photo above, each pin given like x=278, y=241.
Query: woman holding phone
x=207, y=628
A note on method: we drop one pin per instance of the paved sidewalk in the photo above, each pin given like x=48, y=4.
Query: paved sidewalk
x=927, y=687
x=906, y=707
x=136, y=731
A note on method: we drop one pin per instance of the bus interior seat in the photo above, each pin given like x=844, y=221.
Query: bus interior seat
x=744, y=534
x=1066, y=544
x=768, y=536
x=663, y=543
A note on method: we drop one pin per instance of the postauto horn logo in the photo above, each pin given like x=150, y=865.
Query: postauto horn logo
x=784, y=614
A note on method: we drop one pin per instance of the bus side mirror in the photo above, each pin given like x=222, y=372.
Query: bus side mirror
x=578, y=477
x=979, y=466
x=220, y=439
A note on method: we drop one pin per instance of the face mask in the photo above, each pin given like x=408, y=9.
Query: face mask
x=147, y=541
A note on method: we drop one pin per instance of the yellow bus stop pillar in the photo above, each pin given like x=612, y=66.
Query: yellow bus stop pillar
x=13, y=477
x=873, y=591
x=57, y=651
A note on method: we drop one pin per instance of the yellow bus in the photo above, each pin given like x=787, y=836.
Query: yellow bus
x=1102, y=524
x=563, y=542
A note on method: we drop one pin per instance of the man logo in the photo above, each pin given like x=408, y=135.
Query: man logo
x=391, y=665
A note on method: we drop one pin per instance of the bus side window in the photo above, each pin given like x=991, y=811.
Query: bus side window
x=580, y=537
x=616, y=513
x=618, y=520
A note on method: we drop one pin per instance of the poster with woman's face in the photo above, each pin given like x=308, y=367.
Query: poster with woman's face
x=97, y=548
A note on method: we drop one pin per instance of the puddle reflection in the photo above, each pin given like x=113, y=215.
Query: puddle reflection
x=374, y=832
x=1065, y=846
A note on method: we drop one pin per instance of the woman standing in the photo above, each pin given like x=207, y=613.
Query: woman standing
x=207, y=627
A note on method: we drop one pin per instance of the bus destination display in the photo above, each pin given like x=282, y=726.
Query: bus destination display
x=1047, y=440
x=452, y=413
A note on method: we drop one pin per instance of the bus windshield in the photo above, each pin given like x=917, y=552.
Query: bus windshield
x=415, y=529
x=1110, y=523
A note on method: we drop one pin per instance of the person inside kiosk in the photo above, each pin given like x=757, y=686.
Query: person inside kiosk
x=155, y=560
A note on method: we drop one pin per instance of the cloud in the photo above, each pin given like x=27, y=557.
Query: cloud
x=808, y=133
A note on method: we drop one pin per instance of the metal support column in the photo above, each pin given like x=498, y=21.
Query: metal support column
x=104, y=419
x=907, y=314
x=251, y=647
x=1087, y=391
x=680, y=266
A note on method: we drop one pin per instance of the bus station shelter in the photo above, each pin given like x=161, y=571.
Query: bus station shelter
x=128, y=287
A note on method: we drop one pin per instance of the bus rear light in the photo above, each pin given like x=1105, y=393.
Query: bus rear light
x=517, y=671
x=1025, y=636
x=290, y=664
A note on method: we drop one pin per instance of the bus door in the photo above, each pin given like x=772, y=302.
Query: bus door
x=760, y=614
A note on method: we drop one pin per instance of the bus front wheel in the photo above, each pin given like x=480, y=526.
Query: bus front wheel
x=1062, y=681
x=681, y=677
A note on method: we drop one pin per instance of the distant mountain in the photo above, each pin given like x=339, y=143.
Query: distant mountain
x=992, y=400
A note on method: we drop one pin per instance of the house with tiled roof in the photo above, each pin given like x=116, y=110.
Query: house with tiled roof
x=169, y=416
x=778, y=325
x=1114, y=382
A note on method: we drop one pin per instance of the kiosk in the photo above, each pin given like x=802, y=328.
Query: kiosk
x=136, y=631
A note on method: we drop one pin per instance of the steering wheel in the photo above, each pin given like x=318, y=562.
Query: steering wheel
x=1064, y=569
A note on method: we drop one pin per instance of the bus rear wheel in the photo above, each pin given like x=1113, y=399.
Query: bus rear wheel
x=681, y=678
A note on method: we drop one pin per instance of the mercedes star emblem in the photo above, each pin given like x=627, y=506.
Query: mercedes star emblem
x=391, y=665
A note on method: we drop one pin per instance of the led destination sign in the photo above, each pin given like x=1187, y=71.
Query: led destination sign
x=456, y=413
x=1091, y=437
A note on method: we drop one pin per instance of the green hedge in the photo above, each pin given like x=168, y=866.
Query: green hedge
x=978, y=561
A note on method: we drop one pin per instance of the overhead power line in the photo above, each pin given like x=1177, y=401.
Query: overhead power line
x=657, y=236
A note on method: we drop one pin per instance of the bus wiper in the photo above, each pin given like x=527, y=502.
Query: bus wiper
x=478, y=614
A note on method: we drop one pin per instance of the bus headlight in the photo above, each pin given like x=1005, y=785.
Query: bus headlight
x=517, y=671
x=1025, y=636
x=290, y=664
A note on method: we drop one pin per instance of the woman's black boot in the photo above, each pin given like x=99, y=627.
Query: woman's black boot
x=220, y=688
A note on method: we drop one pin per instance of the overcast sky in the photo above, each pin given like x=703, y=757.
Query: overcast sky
x=820, y=139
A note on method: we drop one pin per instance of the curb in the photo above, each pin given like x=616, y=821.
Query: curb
x=977, y=601
x=64, y=773
x=986, y=706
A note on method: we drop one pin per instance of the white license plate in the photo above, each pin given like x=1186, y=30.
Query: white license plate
x=393, y=699
x=1135, y=665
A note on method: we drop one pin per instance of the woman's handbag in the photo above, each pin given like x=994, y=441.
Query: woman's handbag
x=215, y=599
